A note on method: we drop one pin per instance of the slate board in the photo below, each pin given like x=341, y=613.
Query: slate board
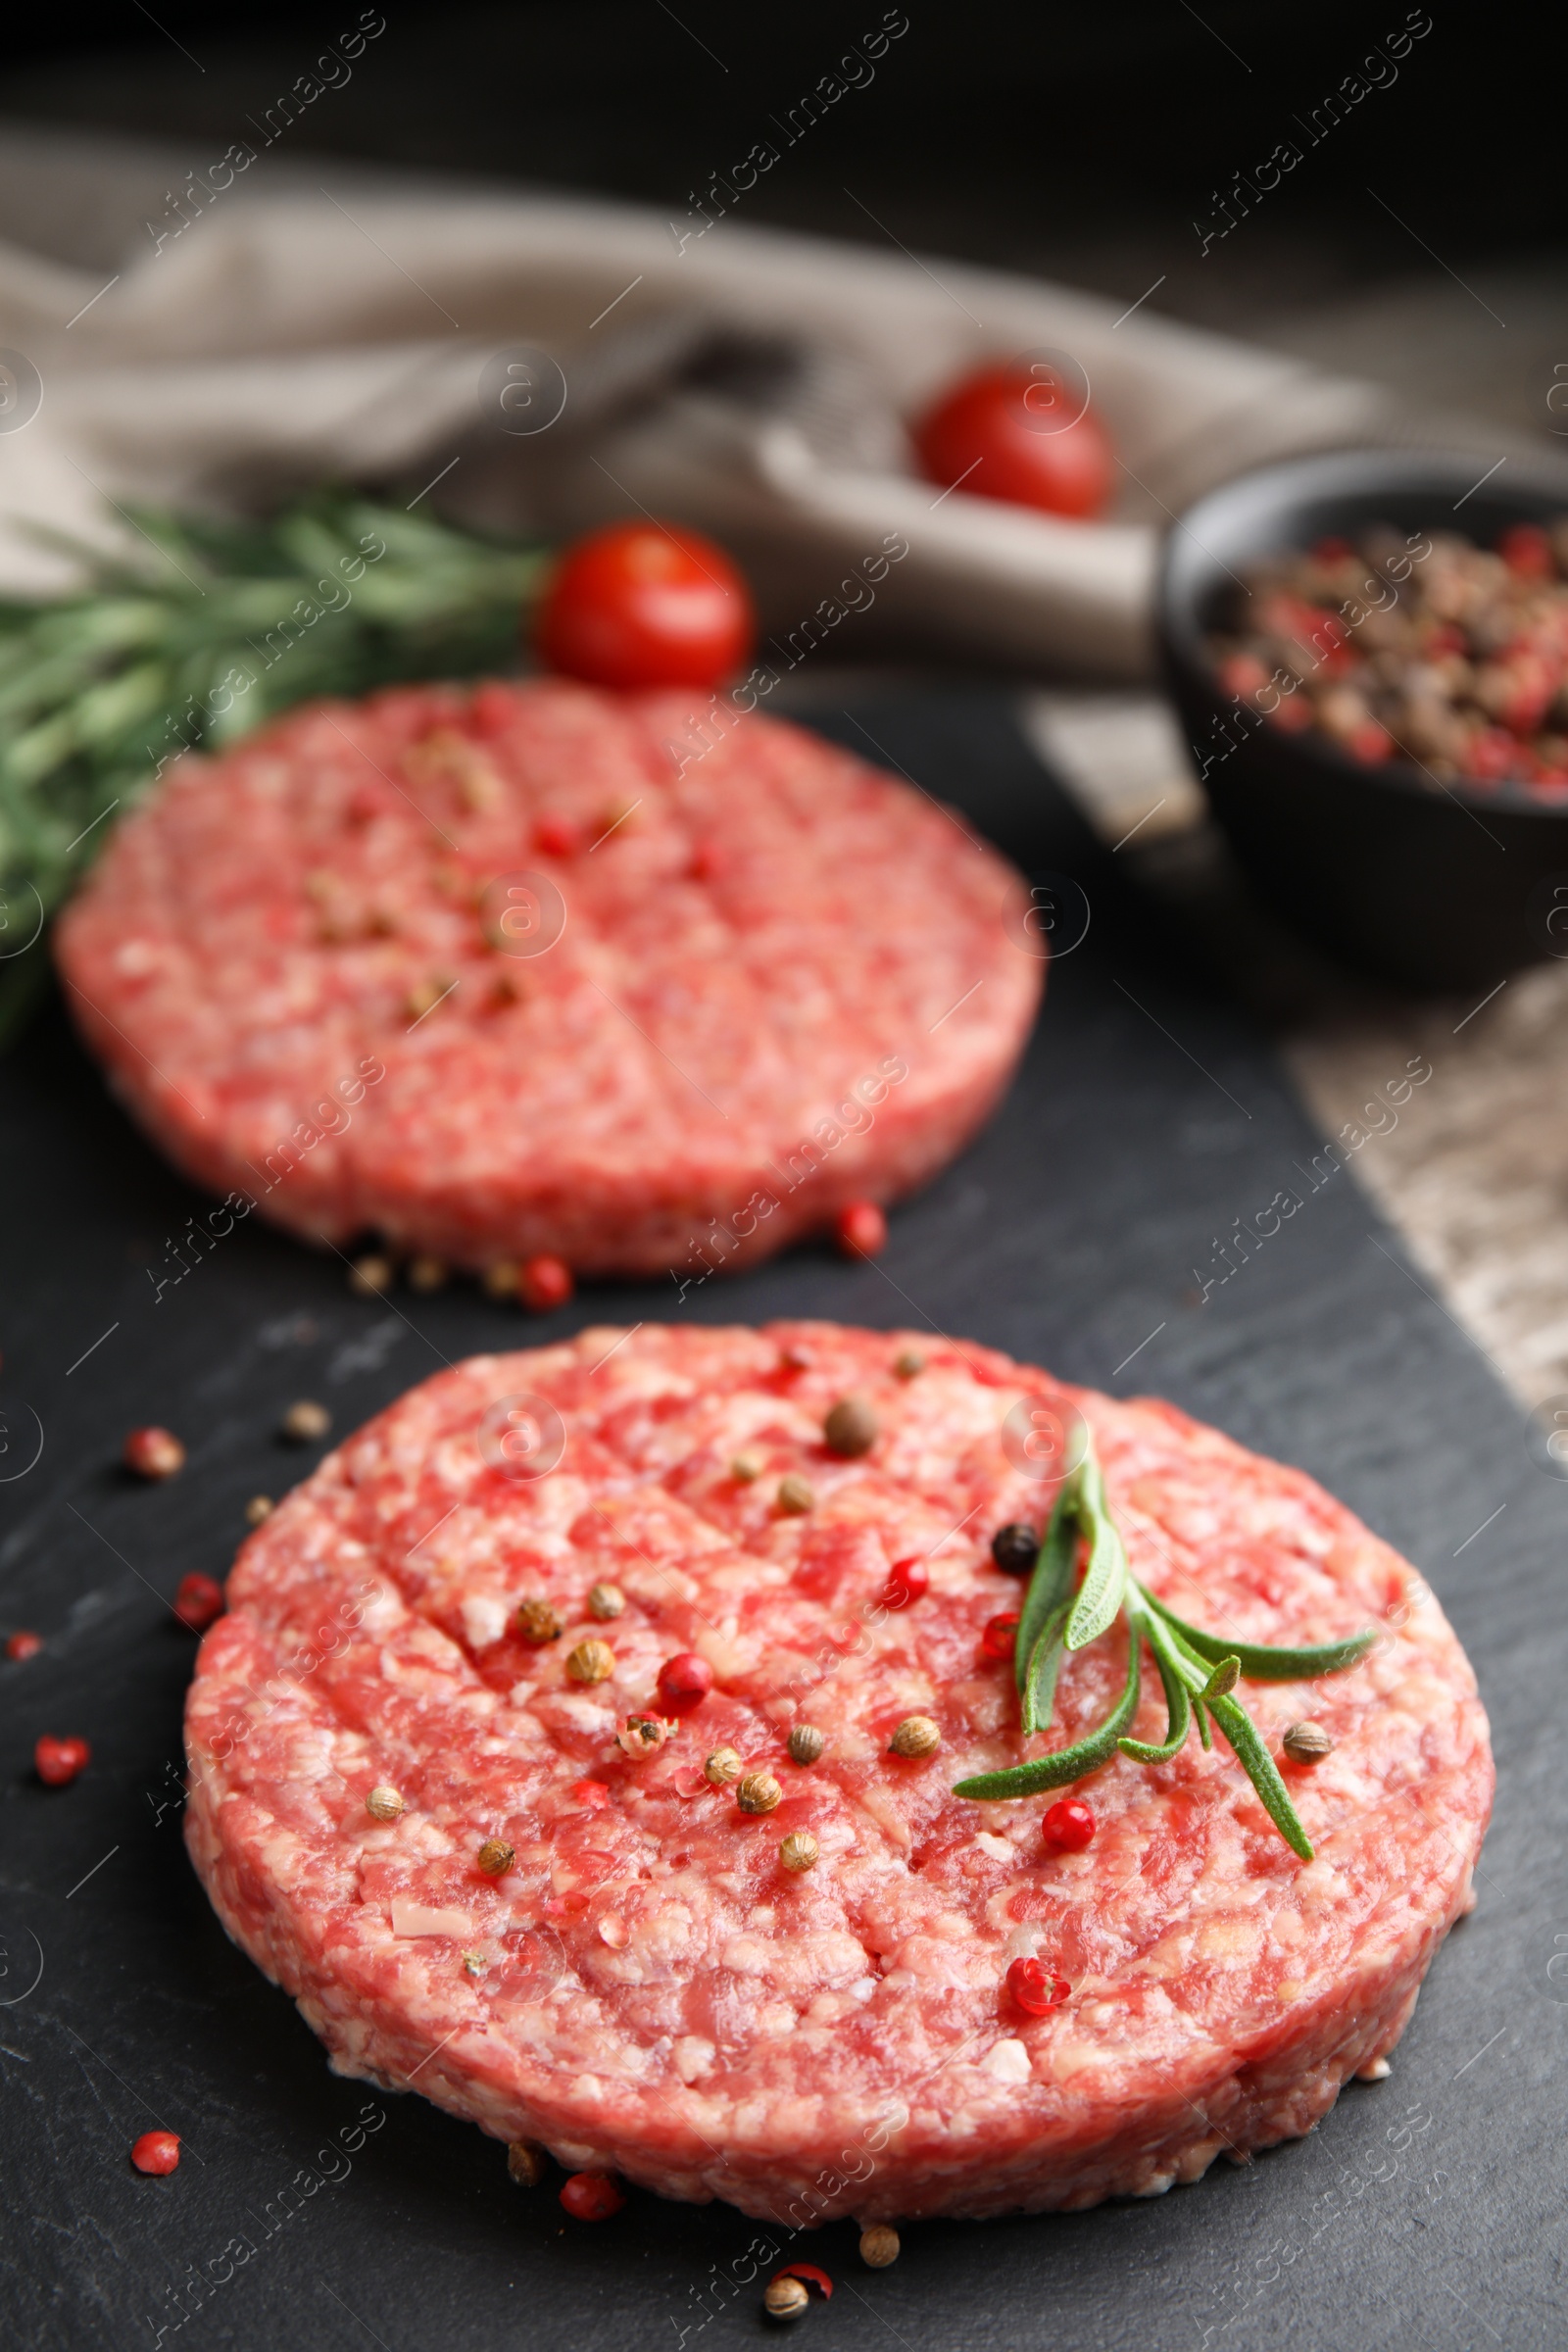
x=1425, y=2212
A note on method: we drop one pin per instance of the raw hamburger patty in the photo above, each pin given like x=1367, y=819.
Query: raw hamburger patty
x=785, y=981
x=647, y=1989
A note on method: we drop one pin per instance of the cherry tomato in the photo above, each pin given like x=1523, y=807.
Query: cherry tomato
x=997, y=434
x=643, y=603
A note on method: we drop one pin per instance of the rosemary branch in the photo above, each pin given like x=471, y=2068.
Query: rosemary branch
x=217, y=625
x=1199, y=1671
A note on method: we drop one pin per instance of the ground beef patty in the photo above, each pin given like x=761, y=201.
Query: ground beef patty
x=490, y=971
x=647, y=1988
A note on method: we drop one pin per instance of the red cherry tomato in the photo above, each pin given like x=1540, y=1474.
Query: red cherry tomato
x=684, y=1682
x=57, y=1762
x=591, y=2197
x=907, y=1582
x=1011, y=432
x=643, y=603
x=199, y=1601
x=1069, y=1824
x=156, y=2152
x=861, y=1229
x=1037, y=1989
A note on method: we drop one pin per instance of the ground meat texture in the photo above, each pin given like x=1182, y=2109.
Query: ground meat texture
x=786, y=982
x=648, y=1990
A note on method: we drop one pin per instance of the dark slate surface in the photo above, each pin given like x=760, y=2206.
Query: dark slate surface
x=1425, y=2212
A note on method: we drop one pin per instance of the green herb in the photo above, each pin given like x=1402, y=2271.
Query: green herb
x=1199, y=1671
x=208, y=628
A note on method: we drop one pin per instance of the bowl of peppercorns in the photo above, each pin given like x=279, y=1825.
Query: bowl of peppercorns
x=1369, y=651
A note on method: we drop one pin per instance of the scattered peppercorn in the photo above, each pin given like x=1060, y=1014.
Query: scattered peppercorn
x=907, y=1582
x=723, y=1767
x=806, y=1743
x=57, y=1762
x=544, y=1284
x=591, y=1662
x=474, y=1964
x=879, y=2245
x=156, y=2152
x=759, y=1793
x=526, y=2161
x=538, y=1622
x=591, y=2196
x=495, y=1858
x=998, y=1635
x=784, y=2298
x=861, y=1230
x=642, y=1735
x=305, y=1423
x=1069, y=1824
x=851, y=1427
x=796, y=1495
x=153, y=1454
x=385, y=1804
x=199, y=1601
x=426, y=1273
x=916, y=1735
x=258, y=1507
x=798, y=1850
x=501, y=1278
x=1036, y=1988
x=23, y=1645
x=684, y=1682
x=1015, y=1548
x=908, y=1363
x=1307, y=1743
x=605, y=1601
x=744, y=1468
x=370, y=1277
x=592, y=1794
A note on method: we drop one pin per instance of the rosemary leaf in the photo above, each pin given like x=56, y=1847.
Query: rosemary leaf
x=1045, y=1664
x=1261, y=1663
x=1105, y=1586
x=1260, y=1769
x=1178, y=1702
x=1068, y=1763
x=1051, y=1582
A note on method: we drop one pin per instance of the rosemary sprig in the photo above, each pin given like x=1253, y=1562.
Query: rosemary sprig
x=1199, y=1671
x=209, y=627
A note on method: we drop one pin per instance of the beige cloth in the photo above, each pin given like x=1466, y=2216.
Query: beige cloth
x=313, y=321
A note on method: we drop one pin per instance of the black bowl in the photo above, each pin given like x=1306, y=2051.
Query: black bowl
x=1434, y=886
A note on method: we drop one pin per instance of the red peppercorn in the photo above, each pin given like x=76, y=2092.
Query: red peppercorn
x=199, y=1600
x=544, y=1283
x=156, y=2152
x=1291, y=714
x=556, y=836
x=907, y=1581
x=153, y=1454
x=23, y=1645
x=1526, y=551
x=1490, y=756
x=998, y=1635
x=591, y=1794
x=1331, y=550
x=1036, y=1988
x=811, y=2273
x=58, y=1761
x=591, y=2196
x=861, y=1230
x=1069, y=1824
x=684, y=1682
x=1369, y=743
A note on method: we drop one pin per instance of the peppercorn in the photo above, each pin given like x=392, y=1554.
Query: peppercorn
x=642, y=1735
x=998, y=1636
x=785, y=2298
x=684, y=1682
x=474, y=1964
x=605, y=1601
x=1036, y=1988
x=156, y=2152
x=258, y=1507
x=591, y=2196
x=305, y=1423
x=798, y=1850
x=426, y=1273
x=916, y=1735
x=879, y=2245
x=1307, y=1743
x=744, y=1468
x=907, y=1582
x=722, y=1768
x=544, y=1284
x=908, y=1363
x=806, y=1743
x=199, y=1601
x=591, y=1662
x=796, y=1495
x=1069, y=1824
x=538, y=1622
x=1015, y=1548
x=851, y=1427
x=861, y=1230
x=153, y=1454
x=501, y=1278
x=57, y=1762
x=384, y=1803
x=22, y=1645
x=370, y=1277
x=759, y=1793
x=526, y=2161
x=495, y=1858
